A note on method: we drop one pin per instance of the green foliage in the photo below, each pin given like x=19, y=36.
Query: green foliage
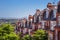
x=38, y=35
x=27, y=37
x=7, y=32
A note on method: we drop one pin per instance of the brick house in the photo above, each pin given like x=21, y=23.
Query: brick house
x=47, y=19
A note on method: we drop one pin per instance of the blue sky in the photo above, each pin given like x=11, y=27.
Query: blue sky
x=21, y=8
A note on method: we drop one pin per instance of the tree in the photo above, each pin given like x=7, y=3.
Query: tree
x=27, y=37
x=40, y=35
x=7, y=32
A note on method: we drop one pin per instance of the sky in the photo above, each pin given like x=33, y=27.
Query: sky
x=21, y=8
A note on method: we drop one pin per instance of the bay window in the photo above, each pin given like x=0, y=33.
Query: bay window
x=34, y=19
x=43, y=24
x=39, y=18
x=54, y=12
x=52, y=25
x=47, y=13
x=58, y=20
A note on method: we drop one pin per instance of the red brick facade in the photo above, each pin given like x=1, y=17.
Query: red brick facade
x=47, y=19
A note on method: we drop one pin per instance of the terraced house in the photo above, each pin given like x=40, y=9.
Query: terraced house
x=47, y=19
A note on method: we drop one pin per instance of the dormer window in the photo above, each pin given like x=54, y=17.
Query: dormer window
x=46, y=14
x=52, y=15
x=37, y=12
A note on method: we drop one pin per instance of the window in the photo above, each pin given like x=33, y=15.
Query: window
x=39, y=18
x=47, y=13
x=27, y=23
x=34, y=19
x=21, y=24
x=58, y=9
x=51, y=15
x=54, y=13
x=24, y=24
x=52, y=25
x=30, y=30
x=58, y=20
x=31, y=20
x=43, y=24
x=33, y=26
x=24, y=30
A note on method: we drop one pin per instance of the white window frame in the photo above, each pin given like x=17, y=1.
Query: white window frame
x=52, y=25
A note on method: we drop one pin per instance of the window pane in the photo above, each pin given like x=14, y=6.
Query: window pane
x=58, y=20
x=52, y=25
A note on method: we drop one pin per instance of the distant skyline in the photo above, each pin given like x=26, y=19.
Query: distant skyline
x=21, y=8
